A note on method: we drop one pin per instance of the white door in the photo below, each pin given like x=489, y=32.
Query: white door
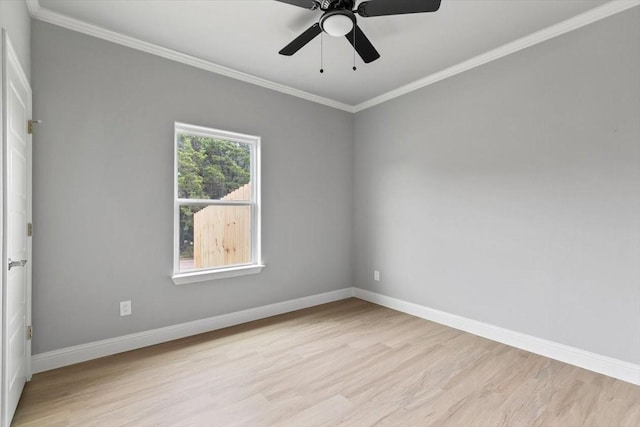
x=16, y=214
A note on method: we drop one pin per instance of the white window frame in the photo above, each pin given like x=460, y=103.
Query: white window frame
x=255, y=265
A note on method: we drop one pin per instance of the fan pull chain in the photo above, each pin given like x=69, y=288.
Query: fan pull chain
x=354, y=47
x=321, y=58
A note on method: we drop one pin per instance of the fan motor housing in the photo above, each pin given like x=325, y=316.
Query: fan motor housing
x=336, y=4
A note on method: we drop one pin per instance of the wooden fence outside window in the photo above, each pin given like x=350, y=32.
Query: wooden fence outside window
x=222, y=234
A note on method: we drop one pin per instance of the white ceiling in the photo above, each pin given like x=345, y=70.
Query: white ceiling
x=246, y=35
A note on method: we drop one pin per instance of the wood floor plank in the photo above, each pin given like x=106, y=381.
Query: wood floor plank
x=348, y=363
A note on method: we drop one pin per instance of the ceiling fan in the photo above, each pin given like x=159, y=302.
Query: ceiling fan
x=339, y=19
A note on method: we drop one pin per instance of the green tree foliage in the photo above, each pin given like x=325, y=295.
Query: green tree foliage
x=208, y=168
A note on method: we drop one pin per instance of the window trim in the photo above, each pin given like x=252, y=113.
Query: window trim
x=256, y=265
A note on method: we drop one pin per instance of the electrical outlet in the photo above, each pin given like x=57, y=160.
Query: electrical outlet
x=376, y=275
x=125, y=308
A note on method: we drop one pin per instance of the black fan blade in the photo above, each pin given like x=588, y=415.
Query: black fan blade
x=301, y=40
x=363, y=46
x=396, y=7
x=307, y=4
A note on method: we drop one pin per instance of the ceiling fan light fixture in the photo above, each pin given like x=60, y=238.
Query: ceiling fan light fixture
x=337, y=23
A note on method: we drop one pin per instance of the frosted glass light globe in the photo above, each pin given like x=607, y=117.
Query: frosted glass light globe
x=337, y=25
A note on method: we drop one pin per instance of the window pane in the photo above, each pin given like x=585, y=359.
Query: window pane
x=214, y=236
x=211, y=168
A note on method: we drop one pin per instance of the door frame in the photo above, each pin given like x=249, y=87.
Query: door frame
x=9, y=56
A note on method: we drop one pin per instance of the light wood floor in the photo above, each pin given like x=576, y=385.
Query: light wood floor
x=349, y=363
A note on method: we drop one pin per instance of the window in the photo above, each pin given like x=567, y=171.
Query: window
x=216, y=209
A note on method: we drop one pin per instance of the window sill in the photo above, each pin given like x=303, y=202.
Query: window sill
x=203, y=276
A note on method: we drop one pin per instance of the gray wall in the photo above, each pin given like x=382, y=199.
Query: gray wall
x=15, y=19
x=103, y=190
x=510, y=194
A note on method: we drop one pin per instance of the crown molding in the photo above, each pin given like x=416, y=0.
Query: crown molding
x=33, y=6
x=46, y=15
x=611, y=8
x=596, y=14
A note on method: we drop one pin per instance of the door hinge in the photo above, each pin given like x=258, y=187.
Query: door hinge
x=29, y=332
x=29, y=229
x=30, y=124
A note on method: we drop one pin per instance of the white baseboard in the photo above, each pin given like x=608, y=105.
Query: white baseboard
x=609, y=366
x=615, y=368
x=81, y=353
